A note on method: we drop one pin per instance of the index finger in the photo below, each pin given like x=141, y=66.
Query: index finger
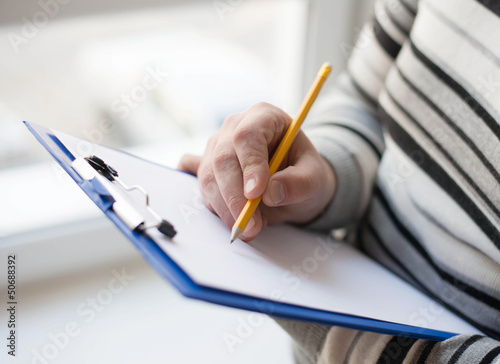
x=255, y=137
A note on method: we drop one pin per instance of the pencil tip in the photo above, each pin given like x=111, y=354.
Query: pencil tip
x=235, y=233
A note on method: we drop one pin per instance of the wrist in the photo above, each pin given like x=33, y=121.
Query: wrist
x=324, y=198
x=328, y=190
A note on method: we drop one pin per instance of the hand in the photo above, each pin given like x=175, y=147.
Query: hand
x=234, y=168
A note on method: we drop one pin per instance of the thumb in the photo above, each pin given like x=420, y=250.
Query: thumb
x=293, y=184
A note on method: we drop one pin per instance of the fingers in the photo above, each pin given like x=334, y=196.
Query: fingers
x=189, y=163
x=226, y=202
x=255, y=136
x=234, y=167
x=220, y=179
x=213, y=199
x=229, y=178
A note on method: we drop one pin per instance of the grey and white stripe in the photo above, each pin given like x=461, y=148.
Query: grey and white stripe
x=432, y=69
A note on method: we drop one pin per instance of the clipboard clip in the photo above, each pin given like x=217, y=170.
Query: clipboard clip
x=122, y=208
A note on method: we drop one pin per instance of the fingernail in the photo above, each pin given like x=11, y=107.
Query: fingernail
x=250, y=224
x=250, y=185
x=278, y=192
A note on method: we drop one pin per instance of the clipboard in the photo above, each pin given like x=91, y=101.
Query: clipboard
x=333, y=278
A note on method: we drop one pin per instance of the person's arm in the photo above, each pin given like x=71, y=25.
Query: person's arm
x=323, y=345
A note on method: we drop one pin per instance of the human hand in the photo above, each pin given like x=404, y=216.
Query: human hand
x=235, y=168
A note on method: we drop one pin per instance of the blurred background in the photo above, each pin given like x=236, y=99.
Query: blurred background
x=155, y=77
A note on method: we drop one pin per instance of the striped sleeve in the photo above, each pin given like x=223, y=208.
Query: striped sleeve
x=434, y=214
x=314, y=343
x=344, y=125
x=437, y=222
x=366, y=347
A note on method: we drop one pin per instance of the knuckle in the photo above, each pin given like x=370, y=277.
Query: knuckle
x=307, y=183
x=231, y=119
x=251, y=142
x=240, y=136
x=222, y=159
x=272, y=111
x=206, y=178
x=262, y=105
x=252, y=163
x=233, y=202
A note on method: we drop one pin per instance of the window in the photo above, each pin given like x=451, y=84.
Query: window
x=162, y=74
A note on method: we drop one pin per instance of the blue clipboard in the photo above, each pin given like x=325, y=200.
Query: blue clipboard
x=170, y=270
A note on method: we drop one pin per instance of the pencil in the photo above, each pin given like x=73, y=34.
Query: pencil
x=251, y=205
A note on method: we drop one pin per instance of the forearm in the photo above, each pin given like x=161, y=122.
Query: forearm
x=323, y=344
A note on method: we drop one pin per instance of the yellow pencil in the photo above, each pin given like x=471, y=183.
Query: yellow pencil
x=251, y=205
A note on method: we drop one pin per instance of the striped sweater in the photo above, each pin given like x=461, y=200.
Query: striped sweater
x=412, y=130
